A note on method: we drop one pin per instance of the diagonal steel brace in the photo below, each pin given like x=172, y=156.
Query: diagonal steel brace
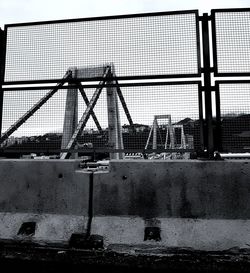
x=35, y=107
x=124, y=105
x=85, y=98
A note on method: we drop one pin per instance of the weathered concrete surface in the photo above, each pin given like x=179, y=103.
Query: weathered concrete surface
x=51, y=228
x=93, y=71
x=186, y=189
x=198, y=204
x=202, y=234
x=51, y=193
x=70, y=116
x=43, y=186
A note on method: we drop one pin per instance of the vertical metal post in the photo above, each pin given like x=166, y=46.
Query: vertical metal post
x=201, y=121
x=3, y=37
x=218, y=119
x=209, y=141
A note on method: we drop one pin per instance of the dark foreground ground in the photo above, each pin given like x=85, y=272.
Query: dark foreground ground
x=30, y=258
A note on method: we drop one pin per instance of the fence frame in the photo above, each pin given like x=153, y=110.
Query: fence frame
x=3, y=39
x=210, y=132
x=214, y=44
x=116, y=17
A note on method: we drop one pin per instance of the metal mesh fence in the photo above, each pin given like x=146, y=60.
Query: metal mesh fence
x=161, y=44
x=2, y=50
x=131, y=116
x=232, y=41
x=40, y=130
x=175, y=106
x=235, y=114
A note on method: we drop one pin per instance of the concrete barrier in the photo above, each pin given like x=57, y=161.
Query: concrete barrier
x=50, y=193
x=186, y=189
x=198, y=204
x=50, y=228
x=43, y=186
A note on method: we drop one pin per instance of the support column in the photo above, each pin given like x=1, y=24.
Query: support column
x=171, y=133
x=71, y=113
x=155, y=125
x=114, y=123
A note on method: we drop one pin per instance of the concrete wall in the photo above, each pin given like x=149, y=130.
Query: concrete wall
x=187, y=189
x=199, y=204
x=50, y=228
x=42, y=186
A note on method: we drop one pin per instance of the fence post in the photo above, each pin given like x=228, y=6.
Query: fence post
x=218, y=136
x=201, y=147
x=3, y=37
x=209, y=136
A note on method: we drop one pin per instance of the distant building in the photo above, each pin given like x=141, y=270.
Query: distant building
x=189, y=141
x=137, y=127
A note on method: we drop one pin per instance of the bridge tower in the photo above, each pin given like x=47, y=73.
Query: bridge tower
x=72, y=128
x=71, y=112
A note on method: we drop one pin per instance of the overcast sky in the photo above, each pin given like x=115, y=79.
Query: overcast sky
x=17, y=11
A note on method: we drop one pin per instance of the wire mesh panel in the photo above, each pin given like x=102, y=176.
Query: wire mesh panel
x=157, y=44
x=130, y=110
x=179, y=102
x=2, y=55
x=43, y=130
x=235, y=114
x=231, y=41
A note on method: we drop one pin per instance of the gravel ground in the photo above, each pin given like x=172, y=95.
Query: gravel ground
x=32, y=258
